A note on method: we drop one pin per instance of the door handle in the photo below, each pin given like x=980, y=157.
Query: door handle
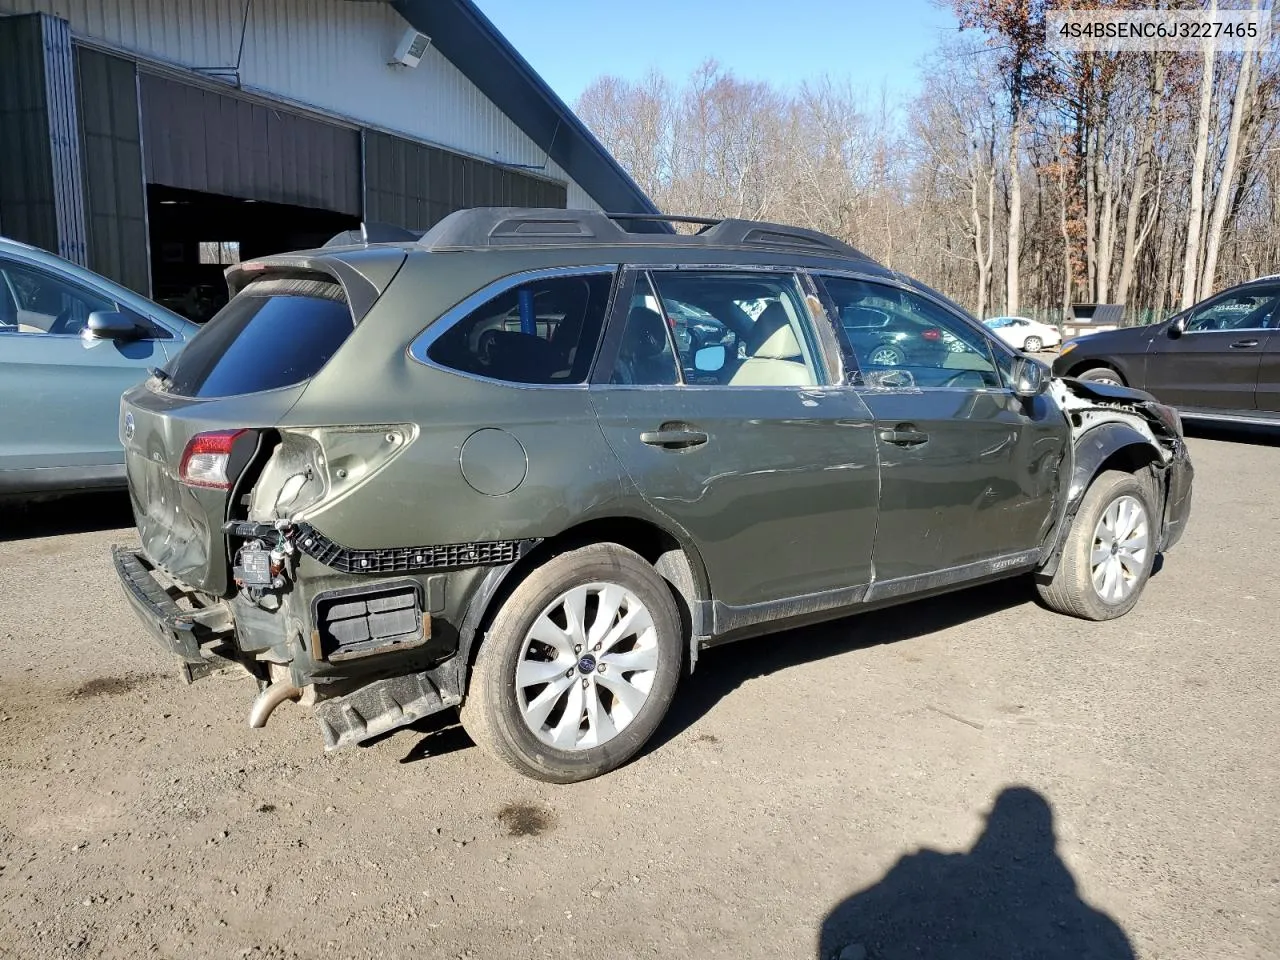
x=673, y=439
x=903, y=436
x=1244, y=344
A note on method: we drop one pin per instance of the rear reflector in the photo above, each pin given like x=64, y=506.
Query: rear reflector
x=204, y=462
x=931, y=333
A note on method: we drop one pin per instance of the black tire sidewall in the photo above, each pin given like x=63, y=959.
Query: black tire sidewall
x=504, y=643
x=1104, y=491
x=1094, y=373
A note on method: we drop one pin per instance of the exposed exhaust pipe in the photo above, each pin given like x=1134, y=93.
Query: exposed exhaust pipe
x=270, y=698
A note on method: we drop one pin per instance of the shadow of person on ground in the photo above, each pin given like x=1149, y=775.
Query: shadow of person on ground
x=1008, y=898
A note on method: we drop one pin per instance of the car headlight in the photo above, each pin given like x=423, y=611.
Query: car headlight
x=1168, y=416
x=1067, y=347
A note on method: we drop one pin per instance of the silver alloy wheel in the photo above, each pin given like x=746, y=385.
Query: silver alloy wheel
x=1033, y=345
x=586, y=666
x=1107, y=379
x=885, y=357
x=1120, y=544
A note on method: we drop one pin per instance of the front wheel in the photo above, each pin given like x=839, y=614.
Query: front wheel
x=1109, y=552
x=578, y=668
x=1033, y=345
x=1102, y=375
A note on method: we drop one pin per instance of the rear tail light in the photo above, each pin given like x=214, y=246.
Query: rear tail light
x=931, y=333
x=204, y=462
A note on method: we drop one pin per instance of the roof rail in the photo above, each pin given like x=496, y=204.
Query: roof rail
x=488, y=227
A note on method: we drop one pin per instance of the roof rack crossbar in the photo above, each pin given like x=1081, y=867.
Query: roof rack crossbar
x=489, y=227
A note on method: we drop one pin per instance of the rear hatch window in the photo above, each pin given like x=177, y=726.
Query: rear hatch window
x=275, y=333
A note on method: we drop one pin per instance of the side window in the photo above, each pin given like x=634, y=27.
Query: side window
x=645, y=355
x=32, y=301
x=1254, y=310
x=902, y=338
x=739, y=329
x=544, y=331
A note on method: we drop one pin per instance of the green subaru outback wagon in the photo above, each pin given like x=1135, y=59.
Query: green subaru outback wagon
x=530, y=464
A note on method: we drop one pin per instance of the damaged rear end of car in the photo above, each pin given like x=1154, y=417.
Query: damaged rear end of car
x=229, y=574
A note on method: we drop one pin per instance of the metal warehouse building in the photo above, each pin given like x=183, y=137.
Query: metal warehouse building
x=155, y=141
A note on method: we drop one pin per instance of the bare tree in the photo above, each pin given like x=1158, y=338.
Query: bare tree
x=1191, y=258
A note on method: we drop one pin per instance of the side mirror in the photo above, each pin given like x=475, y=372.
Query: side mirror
x=1029, y=378
x=710, y=359
x=110, y=325
x=1177, y=328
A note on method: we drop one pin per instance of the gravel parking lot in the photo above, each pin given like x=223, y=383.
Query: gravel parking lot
x=970, y=777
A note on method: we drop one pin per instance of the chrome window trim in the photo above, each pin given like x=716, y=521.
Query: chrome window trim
x=420, y=345
x=1233, y=330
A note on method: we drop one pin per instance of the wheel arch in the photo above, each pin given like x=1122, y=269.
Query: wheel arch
x=676, y=560
x=1092, y=363
x=1108, y=446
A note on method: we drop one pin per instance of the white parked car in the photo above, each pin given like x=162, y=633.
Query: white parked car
x=1022, y=333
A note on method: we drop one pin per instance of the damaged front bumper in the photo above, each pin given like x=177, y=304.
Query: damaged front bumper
x=1179, y=479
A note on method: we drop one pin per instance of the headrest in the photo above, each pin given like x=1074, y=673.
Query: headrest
x=771, y=337
x=646, y=333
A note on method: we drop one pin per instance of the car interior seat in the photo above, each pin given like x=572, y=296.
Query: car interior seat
x=774, y=357
x=645, y=355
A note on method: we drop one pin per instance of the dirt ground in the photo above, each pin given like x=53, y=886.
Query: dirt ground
x=972, y=777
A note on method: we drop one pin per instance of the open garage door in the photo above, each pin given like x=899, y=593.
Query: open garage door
x=228, y=179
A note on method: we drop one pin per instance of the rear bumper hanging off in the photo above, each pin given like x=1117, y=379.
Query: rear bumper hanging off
x=197, y=636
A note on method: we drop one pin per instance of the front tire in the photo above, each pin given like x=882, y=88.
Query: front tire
x=578, y=668
x=1109, y=552
x=1102, y=375
x=1033, y=345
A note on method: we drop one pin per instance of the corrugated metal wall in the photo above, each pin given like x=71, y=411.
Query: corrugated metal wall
x=40, y=193
x=26, y=171
x=115, y=197
x=200, y=139
x=416, y=186
x=330, y=54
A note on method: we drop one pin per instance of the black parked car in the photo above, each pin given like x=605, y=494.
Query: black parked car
x=1218, y=360
x=890, y=331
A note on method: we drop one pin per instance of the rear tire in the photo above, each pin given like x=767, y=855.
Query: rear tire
x=1094, y=580
x=550, y=643
x=1102, y=375
x=1033, y=345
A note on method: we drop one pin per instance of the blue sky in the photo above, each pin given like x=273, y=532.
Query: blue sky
x=872, y=43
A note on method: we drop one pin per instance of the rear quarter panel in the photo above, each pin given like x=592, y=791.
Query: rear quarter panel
x=424, y=497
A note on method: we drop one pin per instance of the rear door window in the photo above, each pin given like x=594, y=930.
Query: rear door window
x=275, y=333
x=729, y=329
x=544, y=331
